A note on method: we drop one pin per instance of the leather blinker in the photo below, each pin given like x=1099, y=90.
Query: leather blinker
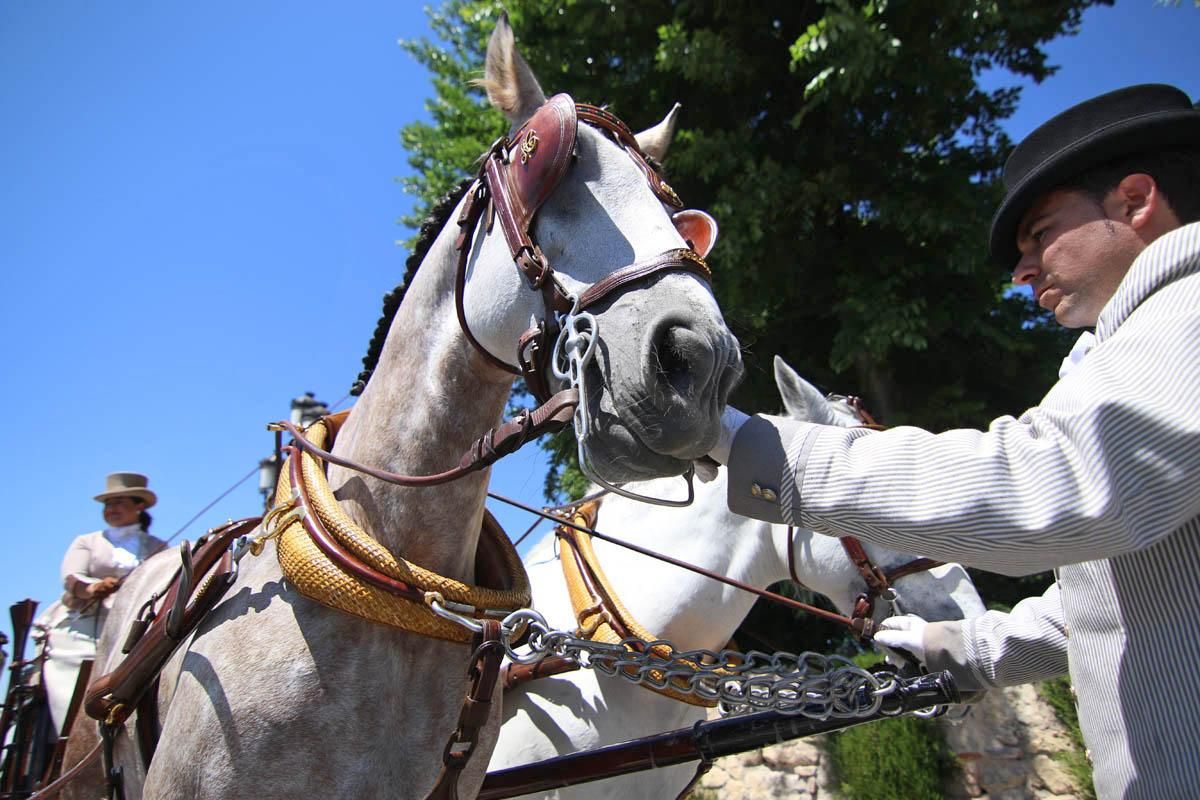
x=537, y=160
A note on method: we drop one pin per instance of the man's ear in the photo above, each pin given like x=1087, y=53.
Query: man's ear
x=1141, y=201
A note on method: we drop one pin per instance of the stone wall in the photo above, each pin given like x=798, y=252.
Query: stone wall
x=1005, y=746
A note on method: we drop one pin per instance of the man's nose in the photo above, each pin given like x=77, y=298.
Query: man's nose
x=1026, y=270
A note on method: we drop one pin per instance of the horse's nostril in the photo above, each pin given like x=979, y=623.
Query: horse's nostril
x=682, y=359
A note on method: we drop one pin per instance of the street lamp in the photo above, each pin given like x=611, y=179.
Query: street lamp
x=268, y=477
x=306, y=410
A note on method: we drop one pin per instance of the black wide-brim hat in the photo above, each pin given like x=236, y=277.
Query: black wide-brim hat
x=1113, y=125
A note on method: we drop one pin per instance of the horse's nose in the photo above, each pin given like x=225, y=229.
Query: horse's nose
x=689, y=372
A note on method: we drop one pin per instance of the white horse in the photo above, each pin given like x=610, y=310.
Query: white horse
x=582, y=710
x=277, y=696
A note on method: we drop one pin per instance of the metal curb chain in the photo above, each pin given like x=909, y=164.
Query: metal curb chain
x=809, y=684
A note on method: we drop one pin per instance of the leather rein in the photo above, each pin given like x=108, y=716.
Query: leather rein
x=581, y=519
x=607, y=609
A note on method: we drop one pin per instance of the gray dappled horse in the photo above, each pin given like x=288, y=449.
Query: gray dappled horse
x=277, y=696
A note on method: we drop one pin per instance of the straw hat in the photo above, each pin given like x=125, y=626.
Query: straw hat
x=127, y=484
x=1120, y=123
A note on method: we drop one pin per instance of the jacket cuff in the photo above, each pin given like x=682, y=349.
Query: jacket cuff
x=759, y=468
x=944, y=650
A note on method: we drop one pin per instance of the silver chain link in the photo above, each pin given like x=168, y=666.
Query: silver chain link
x=809, y=684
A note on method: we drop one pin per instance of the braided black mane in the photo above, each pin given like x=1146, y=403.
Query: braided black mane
x=429, y=231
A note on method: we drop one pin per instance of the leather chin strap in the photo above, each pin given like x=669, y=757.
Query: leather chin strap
x=516, y=177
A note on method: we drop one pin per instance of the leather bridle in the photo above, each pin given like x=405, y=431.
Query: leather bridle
x=518, y=174
x=511, y=188
x=879, y=581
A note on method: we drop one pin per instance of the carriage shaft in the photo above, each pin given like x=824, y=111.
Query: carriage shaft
x=705, y=740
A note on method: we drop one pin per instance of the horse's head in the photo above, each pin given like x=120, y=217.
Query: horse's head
x=803, y=401
x=941, y=593
x=602, y=250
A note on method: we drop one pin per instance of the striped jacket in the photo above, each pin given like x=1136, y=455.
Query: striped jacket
x=1101, y=479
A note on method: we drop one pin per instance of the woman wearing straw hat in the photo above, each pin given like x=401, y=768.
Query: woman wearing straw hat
x=93, y=569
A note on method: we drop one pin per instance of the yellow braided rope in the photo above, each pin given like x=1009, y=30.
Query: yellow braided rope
x=594, y=623
x=318, y=578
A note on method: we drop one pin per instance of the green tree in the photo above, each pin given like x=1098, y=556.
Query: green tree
x=849, y=153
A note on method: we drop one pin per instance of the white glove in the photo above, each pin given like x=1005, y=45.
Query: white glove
x=706, y=469
x=731, y=421
x=903, y=633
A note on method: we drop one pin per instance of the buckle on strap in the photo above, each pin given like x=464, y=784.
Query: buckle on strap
x=533, y=265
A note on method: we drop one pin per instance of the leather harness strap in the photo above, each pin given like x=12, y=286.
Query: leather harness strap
x=112, y=698
x=680, y=259
x=153, y=638
x=550, y=417
x=601, y=615
x=476, y=709
x=879, y=582
x=329, y=559
x=605, y=120
x=52, y=789
x=876, y=580
x=60, y=746
x=516, y=674
x=599, y=612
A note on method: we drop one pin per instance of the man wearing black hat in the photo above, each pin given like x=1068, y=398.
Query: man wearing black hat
x=1100, y=480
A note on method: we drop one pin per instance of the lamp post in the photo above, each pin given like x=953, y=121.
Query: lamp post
x=306, y=410
x=268, y=478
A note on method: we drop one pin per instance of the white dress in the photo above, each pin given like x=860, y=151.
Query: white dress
x=74, y=625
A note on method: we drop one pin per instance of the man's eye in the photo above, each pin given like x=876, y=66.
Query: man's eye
x=1038, y=235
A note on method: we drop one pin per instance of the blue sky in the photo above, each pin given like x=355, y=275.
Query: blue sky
x=190, y=189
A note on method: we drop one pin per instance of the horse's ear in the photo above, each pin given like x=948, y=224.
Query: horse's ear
x=509, y=82
x=655, y=141
x=801, y=399
x=697, y=228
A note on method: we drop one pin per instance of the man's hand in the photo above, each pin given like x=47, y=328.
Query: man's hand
x=102, y=588
x=904, y=635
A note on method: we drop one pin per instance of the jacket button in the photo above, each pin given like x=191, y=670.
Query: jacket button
x=763, y=493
